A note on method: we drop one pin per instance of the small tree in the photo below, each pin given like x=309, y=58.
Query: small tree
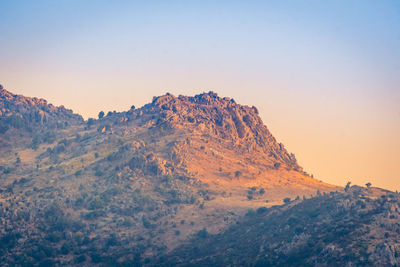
x=347, y=186
x=286, y=200
x=202, y=233
x=319, y=193
x=90, y=122
x=368, y=185
x=238, y=174
x=101, y=114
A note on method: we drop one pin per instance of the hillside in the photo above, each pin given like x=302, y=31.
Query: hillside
x=22, y=116
x=136, y=184
x=360, y=227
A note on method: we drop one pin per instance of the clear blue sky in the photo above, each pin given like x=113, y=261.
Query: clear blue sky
x=324, y=74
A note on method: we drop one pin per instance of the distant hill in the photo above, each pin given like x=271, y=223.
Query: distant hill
x=24, y=116
x=131, y=186
x=31, y=112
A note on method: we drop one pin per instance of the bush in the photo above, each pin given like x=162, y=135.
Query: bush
x=90, y=122
x=98, y=173
x=80, y=259
x=286, y=200
x=262, y=210
x=146, y=222
x=250, y=213
x=202, y=233
x=6, y=170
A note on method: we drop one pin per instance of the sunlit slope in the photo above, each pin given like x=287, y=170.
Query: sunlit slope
x=135, y=184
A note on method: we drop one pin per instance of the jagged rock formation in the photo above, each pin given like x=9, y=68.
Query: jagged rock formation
x=222, y=118
x=17, y=111
x=215, y=139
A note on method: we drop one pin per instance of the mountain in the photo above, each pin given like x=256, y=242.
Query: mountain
x=20, y=115
x=131, y=186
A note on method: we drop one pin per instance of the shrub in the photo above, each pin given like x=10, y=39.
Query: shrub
x=202, y=233
x=90, y=122
x=80, y=259
x=6, y=170
x=286, y=200
x=98, y=173
x=250, y=213
x=262, y=210
x=146, y=222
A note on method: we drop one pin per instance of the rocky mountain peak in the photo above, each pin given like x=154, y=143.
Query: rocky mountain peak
x=220, y=117
x=17, y=111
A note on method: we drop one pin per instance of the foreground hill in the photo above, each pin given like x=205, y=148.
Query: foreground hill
x=133, y=185
x=360, y=227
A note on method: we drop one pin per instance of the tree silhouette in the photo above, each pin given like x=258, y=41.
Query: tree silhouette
x=347, y=186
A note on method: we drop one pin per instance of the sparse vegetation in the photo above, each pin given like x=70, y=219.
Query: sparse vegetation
x=127, y=188
x=302, y=235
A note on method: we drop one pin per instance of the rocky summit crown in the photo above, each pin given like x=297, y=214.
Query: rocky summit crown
x=219, y=117
x=26, y=112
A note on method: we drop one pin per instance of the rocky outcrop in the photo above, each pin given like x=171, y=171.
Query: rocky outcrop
x=17, y=111
x=218, y=117
x=386, y=254
x=149, y=165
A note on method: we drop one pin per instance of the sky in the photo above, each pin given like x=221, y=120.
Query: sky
x=325, y=75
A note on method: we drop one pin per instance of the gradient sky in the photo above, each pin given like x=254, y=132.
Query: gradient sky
x=325, y=75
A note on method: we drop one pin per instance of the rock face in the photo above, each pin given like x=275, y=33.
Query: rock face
x=222, y=118
x=17, y=111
